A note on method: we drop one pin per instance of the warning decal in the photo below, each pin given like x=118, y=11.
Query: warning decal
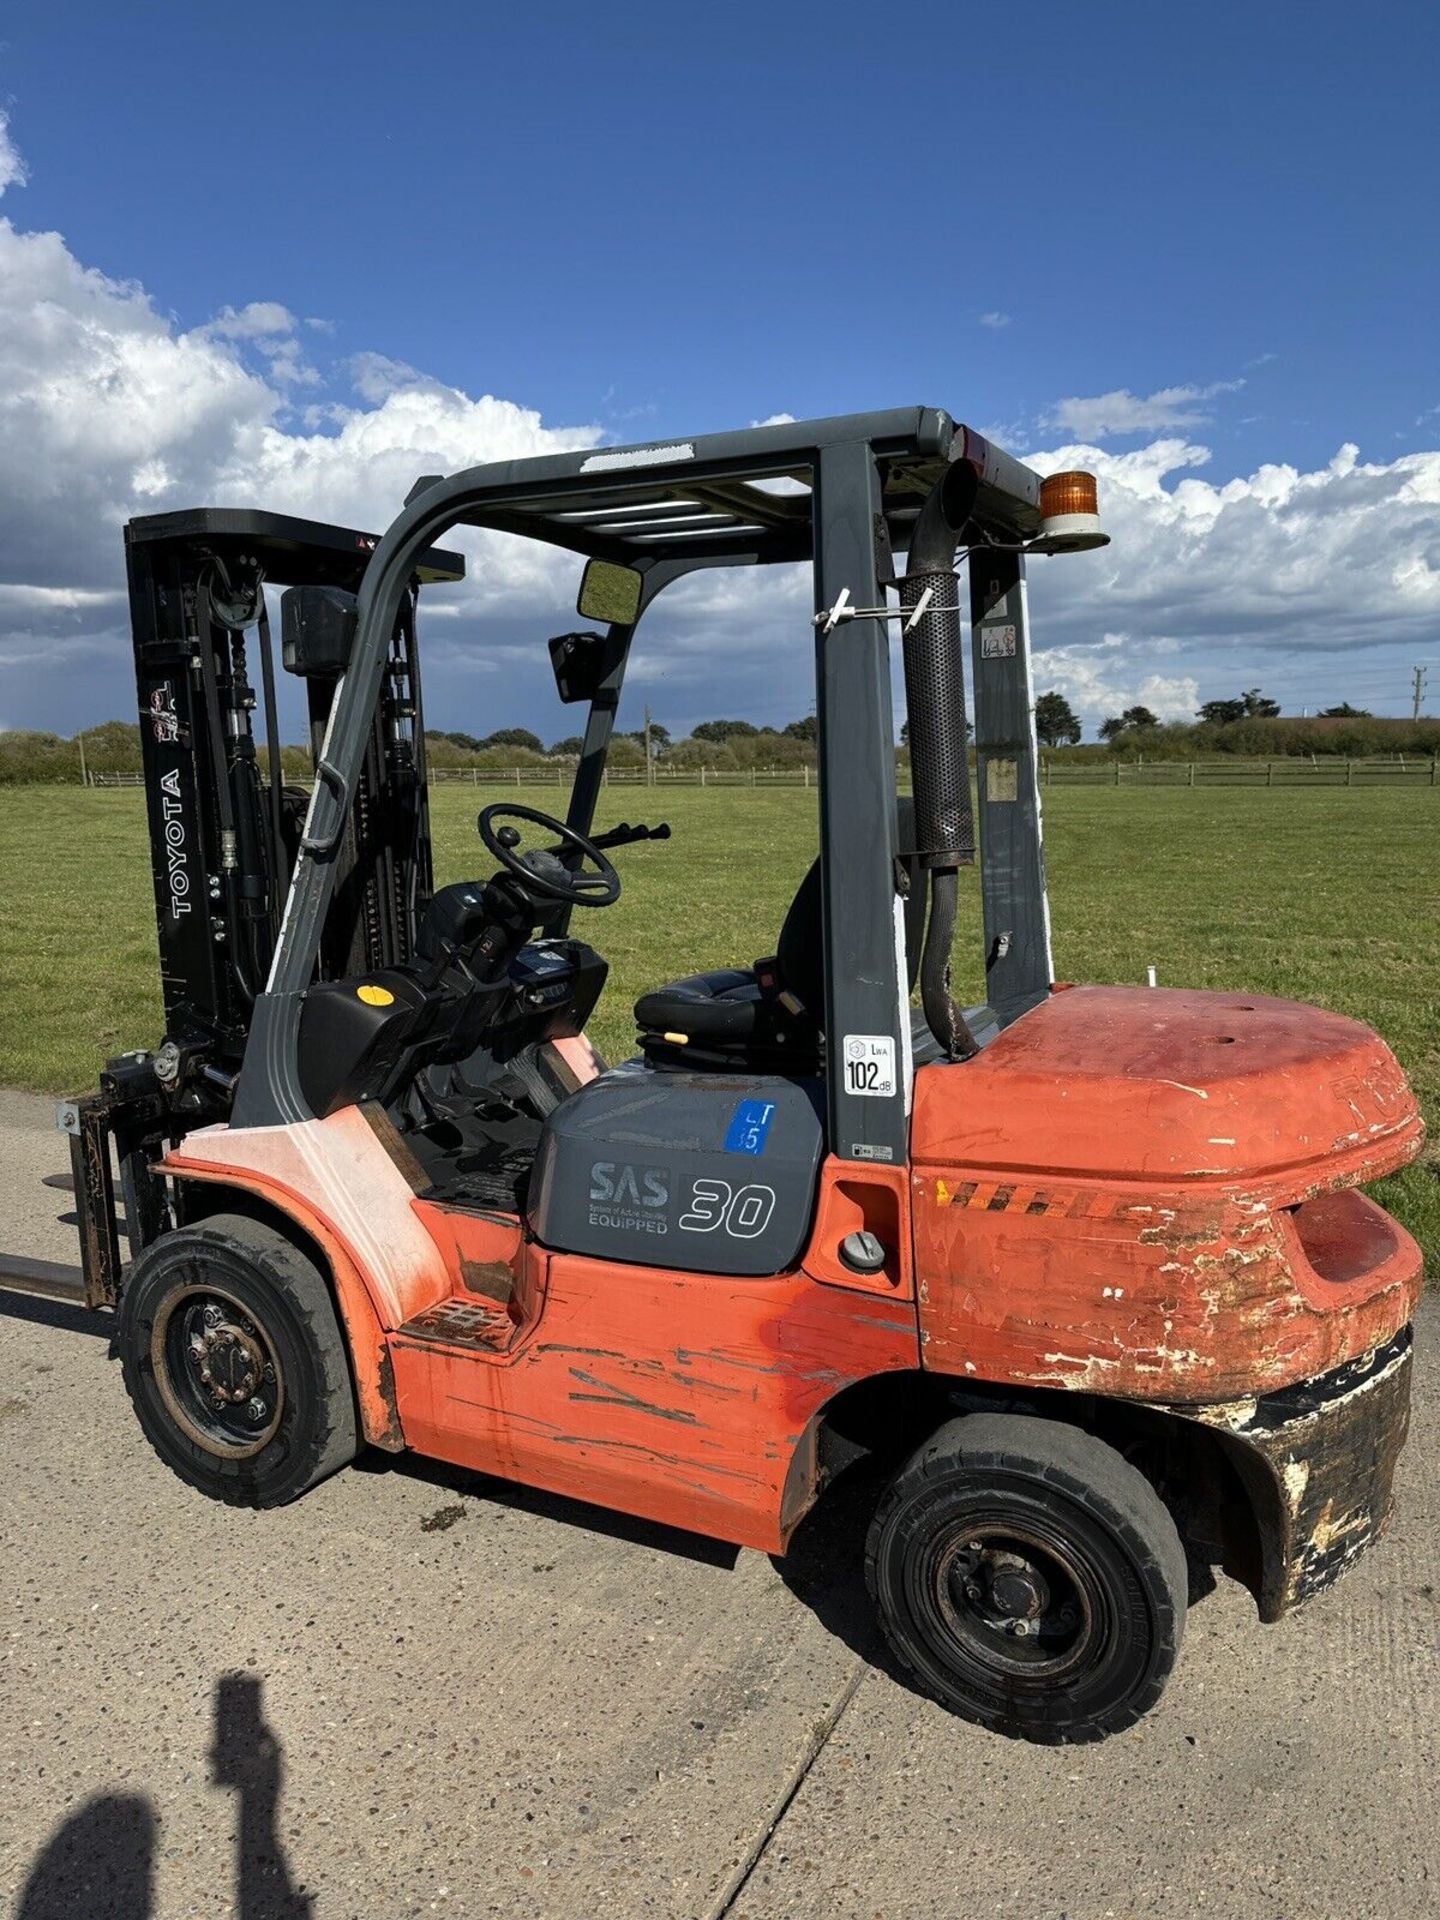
x=870, y=1064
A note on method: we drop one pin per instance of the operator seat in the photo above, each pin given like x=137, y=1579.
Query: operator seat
x=768, y=1013
x=771, y=1015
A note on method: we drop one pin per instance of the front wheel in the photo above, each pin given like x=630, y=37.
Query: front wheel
x=235, y=1363
x=1030, y=1578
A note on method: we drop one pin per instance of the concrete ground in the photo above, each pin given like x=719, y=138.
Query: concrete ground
x=418, y=1693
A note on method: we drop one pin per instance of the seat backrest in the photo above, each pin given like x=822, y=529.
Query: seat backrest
x=800, y=948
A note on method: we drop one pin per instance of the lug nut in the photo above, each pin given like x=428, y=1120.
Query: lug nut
x=255, y=1412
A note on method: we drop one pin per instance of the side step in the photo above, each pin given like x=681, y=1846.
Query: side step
x=479, y=1326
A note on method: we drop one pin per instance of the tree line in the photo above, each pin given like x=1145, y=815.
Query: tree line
x=1250, y=725
x=721, y=744
x=1230, y=726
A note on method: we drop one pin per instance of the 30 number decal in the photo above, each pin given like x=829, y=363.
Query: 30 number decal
x=750, y=1212
x=707, y=1206
x=744, y=1214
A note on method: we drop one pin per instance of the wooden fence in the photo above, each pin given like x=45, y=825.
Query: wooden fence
x=1292, y=773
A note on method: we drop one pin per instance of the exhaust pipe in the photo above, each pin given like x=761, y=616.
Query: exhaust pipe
x=939, y=758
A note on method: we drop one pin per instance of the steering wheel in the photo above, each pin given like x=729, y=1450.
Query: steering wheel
x=548, y=876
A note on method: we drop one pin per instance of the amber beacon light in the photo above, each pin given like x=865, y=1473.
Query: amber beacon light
x=1069, y=515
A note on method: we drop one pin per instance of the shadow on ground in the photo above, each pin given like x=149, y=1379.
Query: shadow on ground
x=41, y=1312
x=557, y=1507
x=825, y=1567
x=100, y=1862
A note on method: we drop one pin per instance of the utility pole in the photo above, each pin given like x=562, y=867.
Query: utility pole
x=649, y=770
x=1419, y=678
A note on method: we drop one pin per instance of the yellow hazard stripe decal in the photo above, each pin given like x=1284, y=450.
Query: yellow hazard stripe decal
x=1013, y=1196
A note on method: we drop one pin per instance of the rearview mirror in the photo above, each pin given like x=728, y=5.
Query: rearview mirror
x=611, y=593
x=582, y=662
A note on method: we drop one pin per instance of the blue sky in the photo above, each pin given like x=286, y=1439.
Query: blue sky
x=1199, y=241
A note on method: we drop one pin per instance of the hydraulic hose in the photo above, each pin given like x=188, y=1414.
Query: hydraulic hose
x=939, y=758
x=276, y=767
x=942, y=1016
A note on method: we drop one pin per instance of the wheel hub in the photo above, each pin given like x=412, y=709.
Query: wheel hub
x=998, y=1590
x=229, y=1363
x=216, y=1372
x=1017, y=1590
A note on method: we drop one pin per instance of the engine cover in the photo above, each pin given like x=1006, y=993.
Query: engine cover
x=705, y=1172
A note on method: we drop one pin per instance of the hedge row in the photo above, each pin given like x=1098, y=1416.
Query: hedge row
x=115, y=748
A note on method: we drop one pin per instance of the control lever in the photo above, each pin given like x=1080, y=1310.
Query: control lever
x=625, y=835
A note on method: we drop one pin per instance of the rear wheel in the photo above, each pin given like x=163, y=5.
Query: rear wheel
x=1030, y=1578
x=235, y=1364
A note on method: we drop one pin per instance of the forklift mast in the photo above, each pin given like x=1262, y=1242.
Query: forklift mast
x=224, y=833
x=225, y=830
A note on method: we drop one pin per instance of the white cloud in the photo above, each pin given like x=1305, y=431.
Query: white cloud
x=1279, y=576
x=108, y=410
x=375, y=376
x=12, y=167
x=1102, y=415
x=257, y=321
x=995, y=320
x=104, y=411
x=271, y=331
x=1117, y=673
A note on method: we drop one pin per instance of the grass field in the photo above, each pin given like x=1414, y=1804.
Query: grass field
x=1330, y=896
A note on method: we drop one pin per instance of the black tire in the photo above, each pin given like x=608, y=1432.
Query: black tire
x=273, y=1412
x=1029, y=1578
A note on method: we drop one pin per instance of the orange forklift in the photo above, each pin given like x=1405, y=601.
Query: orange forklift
x=1086, y=1270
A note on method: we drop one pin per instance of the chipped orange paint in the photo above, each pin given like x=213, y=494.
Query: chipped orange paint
x=680, y=1397
x=1119, y=1197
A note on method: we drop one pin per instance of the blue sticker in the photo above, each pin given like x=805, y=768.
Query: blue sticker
x=750, y=1126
